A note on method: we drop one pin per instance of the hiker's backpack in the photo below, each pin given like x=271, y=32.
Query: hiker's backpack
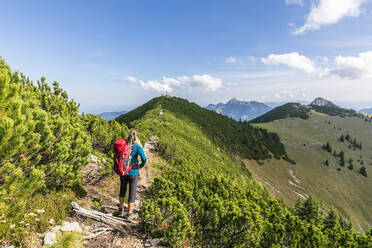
x=122, y=157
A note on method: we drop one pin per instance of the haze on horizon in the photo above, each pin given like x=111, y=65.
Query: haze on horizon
x=114, y=55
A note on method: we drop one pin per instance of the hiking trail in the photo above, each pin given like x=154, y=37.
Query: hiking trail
x=100, y=228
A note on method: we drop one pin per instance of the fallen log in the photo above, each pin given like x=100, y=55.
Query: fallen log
x=115, y=222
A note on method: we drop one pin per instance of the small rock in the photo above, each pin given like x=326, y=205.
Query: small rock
x=71, y=227
x=93, y=159
x=56, y=228
x=155, y=242
x=39, y=235
x=40, y=211
x=50, y=238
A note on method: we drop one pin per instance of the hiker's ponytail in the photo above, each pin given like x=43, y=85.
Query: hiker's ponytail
x=133, y=137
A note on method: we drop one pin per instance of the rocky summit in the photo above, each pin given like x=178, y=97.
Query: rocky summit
x=323, y=103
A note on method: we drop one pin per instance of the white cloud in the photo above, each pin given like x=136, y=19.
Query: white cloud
x=209, y=82
x=231, y=60
x=241, y=60
x=354, y=67
x=151, y=85
x=358, y=67
x=131, y=79
x=286, y=92
x=328, y=12
x=296, y=61
x=231, y=84
x=168, y=84
x=299, y=2
x=293, y=60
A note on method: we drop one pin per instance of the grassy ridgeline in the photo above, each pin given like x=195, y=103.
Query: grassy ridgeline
x=238, y=138
x=284, y=111
x=204, y=198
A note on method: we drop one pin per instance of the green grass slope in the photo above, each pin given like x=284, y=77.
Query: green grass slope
x=347, y=190
x=237, y=138
x=284, y=111
x=204, y=198
x=336, y=111
x=301, y=111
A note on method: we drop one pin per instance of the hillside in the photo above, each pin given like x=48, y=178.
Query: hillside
x=282, y=112
x=240, y=110
x=322, y=105
x=204, y=198
x=242, y=138
x=44, y=143
x=201, y=194
x=319, y=104
x=336, y=185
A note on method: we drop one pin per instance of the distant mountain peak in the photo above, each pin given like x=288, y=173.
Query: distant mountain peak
x=240, y=110
x=320, y=101
x=233, y=101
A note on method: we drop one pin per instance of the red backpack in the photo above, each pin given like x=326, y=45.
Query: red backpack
x=122, y=157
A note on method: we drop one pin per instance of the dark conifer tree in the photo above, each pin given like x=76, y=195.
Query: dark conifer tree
x=363, y=171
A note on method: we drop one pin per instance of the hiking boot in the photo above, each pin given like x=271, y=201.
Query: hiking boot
x=119, y=213
x=131, y=216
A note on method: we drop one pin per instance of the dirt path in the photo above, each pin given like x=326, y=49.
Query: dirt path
x=102, y=195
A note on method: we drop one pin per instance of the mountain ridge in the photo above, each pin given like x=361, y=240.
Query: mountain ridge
x=319, y=104
x=240, y=110
x=322, y=102
x=221, y=129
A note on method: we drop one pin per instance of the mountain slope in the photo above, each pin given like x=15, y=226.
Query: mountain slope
x=320, y=105
x=204, y=198
x=321, y=102
x=236, y=137
x=347, y=190
x=240, y=110
x=282, y=112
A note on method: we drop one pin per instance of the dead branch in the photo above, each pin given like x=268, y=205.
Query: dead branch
x=114, y=222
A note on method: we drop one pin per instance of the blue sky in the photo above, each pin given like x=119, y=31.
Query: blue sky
x=114, y=55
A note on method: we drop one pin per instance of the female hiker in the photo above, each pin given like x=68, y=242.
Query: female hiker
x=132, y=177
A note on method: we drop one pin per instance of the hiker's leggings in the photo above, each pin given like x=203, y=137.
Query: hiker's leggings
x=132, y=180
